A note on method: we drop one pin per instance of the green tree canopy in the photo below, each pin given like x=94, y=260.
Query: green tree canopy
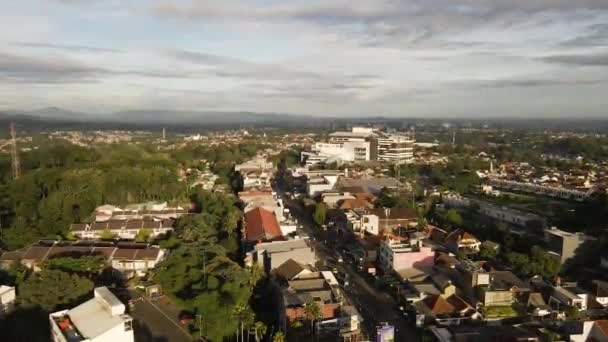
x=52, y=289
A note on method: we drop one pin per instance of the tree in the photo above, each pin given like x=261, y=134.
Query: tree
x=279, y=337
x=385, y=199
x=259, y=330
x=313, y=313
x=83, y=265
x=320, y=214
x=51, y=289
x=143, y=235
x=106, y=234
x=453, y=218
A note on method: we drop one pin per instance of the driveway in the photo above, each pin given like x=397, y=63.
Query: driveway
x=157, y=321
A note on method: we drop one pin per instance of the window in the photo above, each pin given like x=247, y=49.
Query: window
x=128, y=325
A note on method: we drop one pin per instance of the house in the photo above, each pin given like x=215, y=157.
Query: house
x=127, y=259
x=568, y=296
x=290, y=270
x=462, y=241
x=261, y=225
x=7, y=299
x=537, y=306
x=268, y=200
x=587, y=331
x=503, y=289
x=379, y=220
x=271, y=255
x=395, y=255
x=600, y=291
x=451, y=310
x=150, y=211
x=102, y=318
x=480, y=333
x=319, y=287
x=123, y=229
x=562, y=244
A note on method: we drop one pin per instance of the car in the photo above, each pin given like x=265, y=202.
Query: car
x=340, y=260
x=186, y=319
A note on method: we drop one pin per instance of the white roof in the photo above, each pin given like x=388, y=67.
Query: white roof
x=4, y=289
x=94, y=317
x=281, y=246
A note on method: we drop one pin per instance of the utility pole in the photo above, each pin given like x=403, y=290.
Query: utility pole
x=16, y=165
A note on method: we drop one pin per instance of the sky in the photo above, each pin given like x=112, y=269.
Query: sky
x=405, y=58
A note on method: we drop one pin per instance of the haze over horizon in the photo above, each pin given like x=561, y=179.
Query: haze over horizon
x=474, y=58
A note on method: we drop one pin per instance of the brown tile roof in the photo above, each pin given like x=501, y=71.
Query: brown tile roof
x=78, y=226
x=602, y=325
x=395, y=213
x=261, y=224
x=13, y=256
x=288, y=269
x=106, y=252
x=147, y=254
x=458, y=235
x=99, y=225
x=115, y=225
x=438, y=305
x=349, y=204
x=36, y=253
x=168, y=223
x=124, y=253
x=152, y=224
x=135, y=224
x=65, y=251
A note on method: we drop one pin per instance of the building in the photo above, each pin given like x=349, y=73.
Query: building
x=8, y=297
x=441, y=310
x=563, y=244
x=362, y=144
x=122, y=229
x=462, y=241
x=266, y=199
x=379, y=220
x=540, y=190
x=261, y=225
x=565, y=296
x=150, y=211
x=396, y=148
x=394, y=255
x=477, y=333
x=503, y=289
x=128, y=259
x=100, y=319
x=271, y=255
x=319, y=287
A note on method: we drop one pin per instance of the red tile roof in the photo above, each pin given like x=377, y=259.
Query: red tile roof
x=261, y=224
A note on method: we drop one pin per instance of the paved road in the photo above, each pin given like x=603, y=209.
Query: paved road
x=374, y=305
x=157, y=321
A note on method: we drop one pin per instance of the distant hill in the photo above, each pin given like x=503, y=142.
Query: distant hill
x=205, y=117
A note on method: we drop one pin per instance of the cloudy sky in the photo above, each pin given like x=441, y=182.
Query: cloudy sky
x=475, y=58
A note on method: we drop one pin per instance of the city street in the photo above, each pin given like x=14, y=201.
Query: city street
x=374, y=305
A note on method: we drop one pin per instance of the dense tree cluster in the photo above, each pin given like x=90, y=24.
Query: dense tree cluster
x=200, y=274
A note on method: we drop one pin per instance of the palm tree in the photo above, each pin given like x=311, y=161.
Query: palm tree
x=279, y=337
x=259, y=330
x=313, y=313
x=244, y=315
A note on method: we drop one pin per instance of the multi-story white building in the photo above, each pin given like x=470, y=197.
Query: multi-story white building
x=100, y=319
x=363, y=144
x=396, y=148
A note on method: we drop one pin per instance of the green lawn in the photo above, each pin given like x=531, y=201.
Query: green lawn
x=500, y=311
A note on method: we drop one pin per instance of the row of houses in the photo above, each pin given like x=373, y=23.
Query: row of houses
x=128, y=259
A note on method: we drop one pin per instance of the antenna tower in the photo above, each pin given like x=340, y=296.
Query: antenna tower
x=15, y=153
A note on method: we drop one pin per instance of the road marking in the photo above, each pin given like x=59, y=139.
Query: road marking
x=169, y=318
